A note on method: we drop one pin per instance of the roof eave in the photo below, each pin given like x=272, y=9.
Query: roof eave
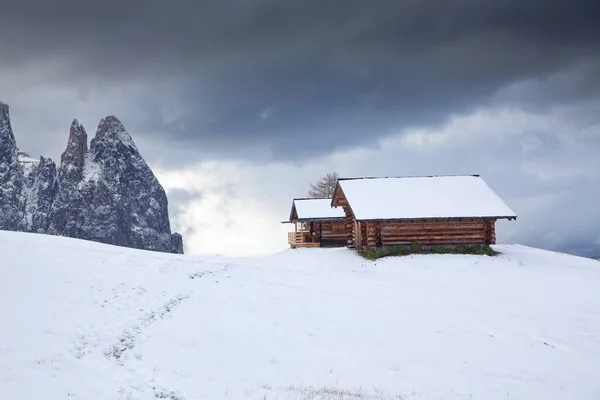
x=317, y=219
x=511, y=217
x=335, y=190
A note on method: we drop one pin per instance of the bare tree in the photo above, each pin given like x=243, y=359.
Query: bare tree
x=324, y=187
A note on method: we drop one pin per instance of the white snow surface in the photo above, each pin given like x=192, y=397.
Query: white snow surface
x=92, y=171
x=89, y=321
x=317, y=209
x=27, y=162
x=117, y=131
x=423, y=197
x=125, y=137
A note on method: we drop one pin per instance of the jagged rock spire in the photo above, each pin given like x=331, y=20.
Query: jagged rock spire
x=72, y=159
x=109, y=194
x=11, y=176
x=106, y=193
x=77, y=138
x=8, y=146
x=130, y=205
x=111, y=128
x=42, y=188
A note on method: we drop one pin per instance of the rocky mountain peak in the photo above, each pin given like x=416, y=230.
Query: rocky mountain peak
x=77, y=136
x=4, y=117
x=72, y=159
x=106, y=193
x=41, y=189
x=8, y=147
x=130, y=206
x=111, y=128
x=11, y=176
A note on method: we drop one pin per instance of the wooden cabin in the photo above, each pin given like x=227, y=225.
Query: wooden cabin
x=316, y=224
x=432, y=211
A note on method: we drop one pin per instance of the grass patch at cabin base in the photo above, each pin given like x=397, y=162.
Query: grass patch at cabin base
x=416, y=248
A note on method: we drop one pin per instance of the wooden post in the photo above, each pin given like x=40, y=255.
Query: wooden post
x=320, y=237
x=489, y=232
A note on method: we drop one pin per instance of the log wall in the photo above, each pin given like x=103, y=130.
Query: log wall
x=430, y=232
x=333, y=233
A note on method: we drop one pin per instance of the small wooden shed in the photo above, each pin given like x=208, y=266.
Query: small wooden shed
x=316, y=224
x=432, y=210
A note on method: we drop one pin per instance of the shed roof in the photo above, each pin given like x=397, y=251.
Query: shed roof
x=314, y=209
x=421, y=197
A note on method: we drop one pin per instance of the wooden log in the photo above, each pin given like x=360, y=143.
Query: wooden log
x=434, y=243
x=431, y=229
x=418, y=238
x=307, y=245
x=479, y=239
x=407, y=227
x=431, y=232
x=434, y=222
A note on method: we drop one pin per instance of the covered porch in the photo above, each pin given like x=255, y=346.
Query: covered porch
x=316, y=224
x=303, y=237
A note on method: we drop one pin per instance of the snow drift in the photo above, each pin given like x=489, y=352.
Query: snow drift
x=91, y=321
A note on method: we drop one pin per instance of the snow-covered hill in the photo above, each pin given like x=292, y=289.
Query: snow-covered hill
x=90, y=321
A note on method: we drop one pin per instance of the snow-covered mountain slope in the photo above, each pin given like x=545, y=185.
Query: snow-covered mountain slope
x=91, y=321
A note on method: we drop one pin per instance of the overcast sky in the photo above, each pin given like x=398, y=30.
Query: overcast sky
x=239, y=105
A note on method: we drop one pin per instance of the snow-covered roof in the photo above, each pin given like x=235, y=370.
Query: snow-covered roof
x=315, y=209
x=422, y=197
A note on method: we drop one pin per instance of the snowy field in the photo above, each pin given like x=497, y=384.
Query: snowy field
x=87, y=321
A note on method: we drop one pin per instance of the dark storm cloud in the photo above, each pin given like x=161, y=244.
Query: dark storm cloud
x=288, y=73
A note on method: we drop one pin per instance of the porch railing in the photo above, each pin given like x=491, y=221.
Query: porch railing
x=300, y=237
